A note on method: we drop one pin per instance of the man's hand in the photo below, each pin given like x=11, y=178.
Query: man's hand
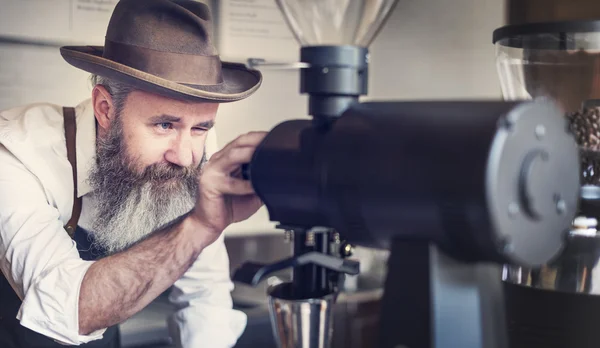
x=224, y=197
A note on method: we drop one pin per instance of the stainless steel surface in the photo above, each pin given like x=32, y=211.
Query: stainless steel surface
x=301, y=323
x=576, y=270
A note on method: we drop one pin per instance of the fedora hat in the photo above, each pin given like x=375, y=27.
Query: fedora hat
x=165, y=47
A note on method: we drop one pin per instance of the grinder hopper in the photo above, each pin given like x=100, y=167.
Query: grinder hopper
x=551, y=305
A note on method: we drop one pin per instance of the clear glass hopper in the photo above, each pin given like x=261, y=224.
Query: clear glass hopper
x=336, y=22
x=559, y=61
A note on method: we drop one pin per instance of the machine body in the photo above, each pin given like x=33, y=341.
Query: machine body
x=454, y=189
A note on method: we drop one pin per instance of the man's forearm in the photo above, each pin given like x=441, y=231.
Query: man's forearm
x=118, y=286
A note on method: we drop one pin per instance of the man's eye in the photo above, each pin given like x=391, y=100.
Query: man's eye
x=164, y=125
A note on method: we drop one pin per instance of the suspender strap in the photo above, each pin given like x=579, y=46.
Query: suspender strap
x=70, y=131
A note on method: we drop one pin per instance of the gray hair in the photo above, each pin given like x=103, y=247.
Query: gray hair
x=119, y=91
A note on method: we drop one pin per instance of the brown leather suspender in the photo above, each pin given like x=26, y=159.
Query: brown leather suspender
x=70, y=132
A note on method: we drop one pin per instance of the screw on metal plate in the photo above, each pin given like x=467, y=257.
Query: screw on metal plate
x=540, y=131
x=506, y=123
x=561, y=205
x=513, y=209
x=507, y=246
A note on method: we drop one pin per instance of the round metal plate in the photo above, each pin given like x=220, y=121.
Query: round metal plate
x=533, y=182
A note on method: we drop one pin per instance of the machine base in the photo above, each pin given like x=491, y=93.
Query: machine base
x=539, y=318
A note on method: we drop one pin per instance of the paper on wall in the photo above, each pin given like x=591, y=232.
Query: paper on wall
x=254, y=29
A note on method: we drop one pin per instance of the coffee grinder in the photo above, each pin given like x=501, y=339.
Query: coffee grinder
x=454, y=189
x=557, y=305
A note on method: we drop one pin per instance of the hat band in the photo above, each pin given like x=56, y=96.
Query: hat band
x=172, y=66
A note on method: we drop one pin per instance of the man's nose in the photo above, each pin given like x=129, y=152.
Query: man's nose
x=181, y=152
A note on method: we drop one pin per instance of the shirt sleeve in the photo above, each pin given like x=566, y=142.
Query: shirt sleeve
x=205, y=316
x=37, y=256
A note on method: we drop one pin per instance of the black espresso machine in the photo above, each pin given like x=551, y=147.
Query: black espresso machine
x=462, y=193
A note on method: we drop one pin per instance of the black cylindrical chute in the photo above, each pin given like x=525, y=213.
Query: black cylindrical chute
x=335, y=78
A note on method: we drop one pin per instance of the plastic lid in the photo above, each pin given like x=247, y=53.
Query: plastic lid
x=548, y=35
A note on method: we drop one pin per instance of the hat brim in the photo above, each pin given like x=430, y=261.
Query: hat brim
x=239, y=82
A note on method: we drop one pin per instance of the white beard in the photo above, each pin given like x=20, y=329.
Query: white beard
x=142, y=212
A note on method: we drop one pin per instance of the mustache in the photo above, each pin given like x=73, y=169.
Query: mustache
x=167, y=171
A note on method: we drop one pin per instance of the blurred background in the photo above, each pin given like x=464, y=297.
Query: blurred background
x=428, y=49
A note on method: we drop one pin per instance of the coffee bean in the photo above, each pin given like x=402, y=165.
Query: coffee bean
x=584, y=126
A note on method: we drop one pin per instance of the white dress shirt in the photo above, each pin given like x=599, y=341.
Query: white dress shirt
x=41, y=261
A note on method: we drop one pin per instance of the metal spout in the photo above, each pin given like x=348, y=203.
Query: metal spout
x=300, y=323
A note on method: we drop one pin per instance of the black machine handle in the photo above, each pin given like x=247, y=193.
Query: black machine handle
x=246, y=171
x=252, y=273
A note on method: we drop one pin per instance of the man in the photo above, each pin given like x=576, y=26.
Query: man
x=153, y=206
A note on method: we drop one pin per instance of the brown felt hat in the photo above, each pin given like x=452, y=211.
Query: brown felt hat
x=165, y=47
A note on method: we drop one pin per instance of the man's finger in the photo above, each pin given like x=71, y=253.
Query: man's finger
x=249, y=139
x=233, y=159
x=252, y=139
x=234, y=186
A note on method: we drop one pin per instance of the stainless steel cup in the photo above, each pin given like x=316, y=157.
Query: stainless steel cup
x=303, y=323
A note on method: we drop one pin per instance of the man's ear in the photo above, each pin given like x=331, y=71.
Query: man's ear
x=103, y=107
